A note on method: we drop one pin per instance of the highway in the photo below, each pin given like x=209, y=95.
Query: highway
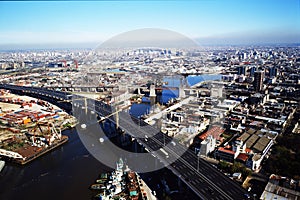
x=206, y=181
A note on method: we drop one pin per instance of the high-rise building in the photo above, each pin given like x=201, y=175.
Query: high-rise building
x=258, y=81
x=241, y=70
x=273, y=72
x=252, y=70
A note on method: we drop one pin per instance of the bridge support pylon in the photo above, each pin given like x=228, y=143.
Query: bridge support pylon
x=139, y=91
x=152, y=94
x=85, y=106
x=181, y=89
x=117, y=120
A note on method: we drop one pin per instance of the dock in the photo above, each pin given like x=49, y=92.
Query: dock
x=41, y=152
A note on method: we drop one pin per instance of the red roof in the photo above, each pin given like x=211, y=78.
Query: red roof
x=248, y=150
x=226, y=150
x=215, y=131
x=243, y=157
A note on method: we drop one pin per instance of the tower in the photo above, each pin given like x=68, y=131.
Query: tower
x=273, y=72
x=152, y=91
x=241, y=70
x=252, y=70
x=183, y=84
x=258, y=81
x=152, y=94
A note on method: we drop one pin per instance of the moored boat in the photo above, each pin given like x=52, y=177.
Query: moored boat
x=2, y=164
x=102, y=181
x=103, y=176
x=97, y=186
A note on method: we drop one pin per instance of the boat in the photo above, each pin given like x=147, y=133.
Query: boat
x=104, y=176
x=100, y=195
x=2, y=164
x=113, y=185
x=102, y=181
x=97, y=186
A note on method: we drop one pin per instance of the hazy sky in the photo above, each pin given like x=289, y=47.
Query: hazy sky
x=208, y=21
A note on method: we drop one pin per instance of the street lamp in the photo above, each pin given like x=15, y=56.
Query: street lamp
x=164, y=139
x=83, y=126
x=139, y=117
x=198, y=157
x=101, y=140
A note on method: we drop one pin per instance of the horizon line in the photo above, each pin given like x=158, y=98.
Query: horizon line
x=88, y=45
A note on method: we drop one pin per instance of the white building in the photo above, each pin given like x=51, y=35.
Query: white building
x=238, y=147
x=216, y=91
x=208, y=145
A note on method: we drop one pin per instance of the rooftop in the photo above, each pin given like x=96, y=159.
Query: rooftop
x=261, y=144
x=244, y=136
x=251, y=140
x=214, y=131
x=243, y=157
x=222, y=149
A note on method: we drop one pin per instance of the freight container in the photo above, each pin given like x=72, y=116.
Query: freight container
x=26, y=121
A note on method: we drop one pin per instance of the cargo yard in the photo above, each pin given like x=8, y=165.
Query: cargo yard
x=30, y=127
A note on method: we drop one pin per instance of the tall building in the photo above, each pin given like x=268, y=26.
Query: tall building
x=273, y=72
x=252, y=71
x=207, y=145
x=241, y=70
x=258, y=81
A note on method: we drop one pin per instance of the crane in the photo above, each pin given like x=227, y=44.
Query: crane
x=66, y=65
x=51, y=129
x=76, y=64
x=65, y=62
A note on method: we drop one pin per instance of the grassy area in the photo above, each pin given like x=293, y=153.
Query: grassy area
x=135, y=97
x=235, y=167
x=14, y=146
x=226, y=136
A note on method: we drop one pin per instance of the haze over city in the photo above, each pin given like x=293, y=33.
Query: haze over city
x=53, y=24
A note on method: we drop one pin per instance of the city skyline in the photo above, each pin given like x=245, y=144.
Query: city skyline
x=88, y=24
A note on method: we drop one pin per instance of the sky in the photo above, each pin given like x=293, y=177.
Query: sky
x=59, y=23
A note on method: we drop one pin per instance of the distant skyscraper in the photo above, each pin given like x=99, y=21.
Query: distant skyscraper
x=241, y=70
x=258, y=80
x=252, y=70
x=273, y=71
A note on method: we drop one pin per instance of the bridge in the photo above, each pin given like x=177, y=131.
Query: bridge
x=199, y=73
x=89, y=88
x=200, y=176
x=209, y=82
x=167, y=110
